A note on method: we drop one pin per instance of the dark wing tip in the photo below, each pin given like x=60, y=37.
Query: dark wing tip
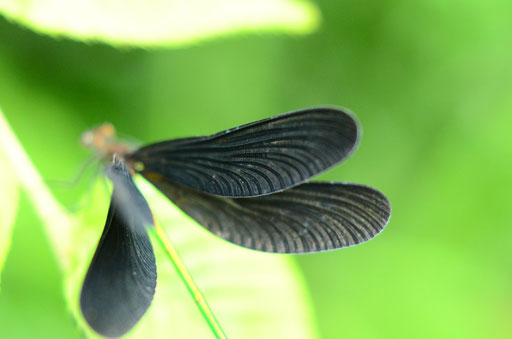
x=377, y=205
x=320, y=216
x=119, y=285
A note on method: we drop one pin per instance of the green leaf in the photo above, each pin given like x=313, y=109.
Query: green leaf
x=9, y=195
x=252, y=294
x=160, y=23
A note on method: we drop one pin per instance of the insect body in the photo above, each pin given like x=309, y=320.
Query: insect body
x=247, y=185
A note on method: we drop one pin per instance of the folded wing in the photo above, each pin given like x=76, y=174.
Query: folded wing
x=256, y=159
x=120, y=283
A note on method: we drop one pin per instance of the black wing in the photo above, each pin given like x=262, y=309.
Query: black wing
x=259, y=158
x=121, y=279
x=311, y=217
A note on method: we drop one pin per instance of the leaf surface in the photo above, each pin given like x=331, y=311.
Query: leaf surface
x=160, y=22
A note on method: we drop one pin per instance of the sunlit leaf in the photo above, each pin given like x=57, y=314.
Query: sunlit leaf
x=8, y=205
x=161, y=22
x=253, y=295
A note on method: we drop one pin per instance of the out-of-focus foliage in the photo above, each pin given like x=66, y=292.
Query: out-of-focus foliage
x=8, y=206
x=160, y=22
x=430, y=82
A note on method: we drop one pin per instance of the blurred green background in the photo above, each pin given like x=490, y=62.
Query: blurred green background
x=431, y=83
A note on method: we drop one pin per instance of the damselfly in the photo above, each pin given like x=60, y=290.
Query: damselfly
x=247, y=185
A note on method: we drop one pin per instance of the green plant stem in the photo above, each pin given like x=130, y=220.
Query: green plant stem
x=185, y=276
x=57, y=222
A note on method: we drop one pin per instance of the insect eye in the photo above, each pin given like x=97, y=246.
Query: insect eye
x=107, y=130
x=87, y=139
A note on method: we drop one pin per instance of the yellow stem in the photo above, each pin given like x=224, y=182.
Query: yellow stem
x=192, y=288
